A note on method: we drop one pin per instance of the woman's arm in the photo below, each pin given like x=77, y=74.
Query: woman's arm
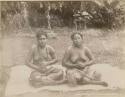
x=52, y=53
x=90, y=60
x=66, y=62
x=90, y=57
x=29, y=60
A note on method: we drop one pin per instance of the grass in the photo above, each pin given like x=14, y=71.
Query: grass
x=105, y=48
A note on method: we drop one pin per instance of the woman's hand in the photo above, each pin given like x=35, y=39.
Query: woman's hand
x=43, y=66
x=44, y=63
x=82, y=65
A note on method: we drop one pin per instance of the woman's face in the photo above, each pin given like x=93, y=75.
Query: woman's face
x=42, y=40
x=77, y=40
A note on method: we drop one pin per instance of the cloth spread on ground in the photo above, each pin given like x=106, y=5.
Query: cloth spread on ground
x=18, y=82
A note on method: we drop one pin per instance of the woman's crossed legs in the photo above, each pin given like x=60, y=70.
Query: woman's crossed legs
x=75, y=77
x=52, y=77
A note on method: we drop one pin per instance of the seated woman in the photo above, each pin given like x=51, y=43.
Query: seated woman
x=77, y=60
x=41, y=58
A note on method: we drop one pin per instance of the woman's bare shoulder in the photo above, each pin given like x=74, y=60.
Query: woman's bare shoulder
x=69, y=49
x=50, y=48
x=86, y=48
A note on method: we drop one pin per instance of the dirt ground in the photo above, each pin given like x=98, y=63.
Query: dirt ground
x=106, y=46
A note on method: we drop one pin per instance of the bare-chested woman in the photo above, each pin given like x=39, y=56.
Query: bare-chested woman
x=41, y=58
x=77, y=60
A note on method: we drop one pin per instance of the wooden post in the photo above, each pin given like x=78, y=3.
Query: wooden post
x=25, y=13
x=48, y=17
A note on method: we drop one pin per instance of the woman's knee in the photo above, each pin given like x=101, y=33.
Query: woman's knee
x=96, y=76
x=60, y=72
x=35, y=76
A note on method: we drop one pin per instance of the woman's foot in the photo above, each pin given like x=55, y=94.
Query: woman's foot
x=62, y=81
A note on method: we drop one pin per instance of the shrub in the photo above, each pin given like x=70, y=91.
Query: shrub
x=109, y=15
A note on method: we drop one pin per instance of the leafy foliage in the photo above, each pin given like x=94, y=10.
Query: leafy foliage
x=108, y=14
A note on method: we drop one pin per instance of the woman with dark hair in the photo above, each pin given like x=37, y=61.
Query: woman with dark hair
x=41, y=58
x=77, y=60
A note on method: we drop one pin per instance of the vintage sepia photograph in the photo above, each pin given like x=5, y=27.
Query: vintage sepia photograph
x=62, y=48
